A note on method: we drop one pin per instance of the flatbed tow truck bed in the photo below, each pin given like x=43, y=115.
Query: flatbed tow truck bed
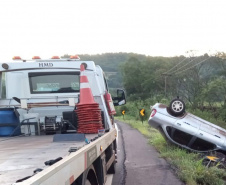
x=21, y=155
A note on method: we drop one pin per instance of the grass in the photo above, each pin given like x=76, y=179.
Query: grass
x=188, y=166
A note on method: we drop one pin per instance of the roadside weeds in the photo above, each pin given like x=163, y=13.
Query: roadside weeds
x=187, y=165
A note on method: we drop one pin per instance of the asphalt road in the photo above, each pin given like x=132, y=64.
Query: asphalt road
x=138, y=162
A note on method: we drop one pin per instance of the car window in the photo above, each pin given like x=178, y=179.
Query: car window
x=179, y=136
x=186, y=139
x=202, y=145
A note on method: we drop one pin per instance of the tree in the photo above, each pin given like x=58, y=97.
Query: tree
x=215, y=91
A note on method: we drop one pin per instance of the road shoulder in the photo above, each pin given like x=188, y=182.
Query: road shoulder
x=142, y=162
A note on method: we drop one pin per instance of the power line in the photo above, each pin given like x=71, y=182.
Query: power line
x=177, y=72
x=183, y=70
x=175, y=65
x=165, y=73
x=194, y=65
x=183, y=66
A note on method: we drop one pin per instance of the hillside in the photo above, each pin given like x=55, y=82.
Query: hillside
x=111, y=63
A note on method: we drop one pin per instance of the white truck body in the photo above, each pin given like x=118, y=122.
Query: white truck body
x=41, y=91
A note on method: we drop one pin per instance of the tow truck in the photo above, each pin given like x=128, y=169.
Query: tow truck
x=56, y=122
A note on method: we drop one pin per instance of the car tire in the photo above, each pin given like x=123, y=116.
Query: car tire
x=177, y=107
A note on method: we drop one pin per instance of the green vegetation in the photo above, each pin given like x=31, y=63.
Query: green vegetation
x=188, y=166
x=199, y=81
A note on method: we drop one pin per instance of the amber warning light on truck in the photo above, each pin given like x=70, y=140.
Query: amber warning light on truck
x=75, y=57
x=16, y=58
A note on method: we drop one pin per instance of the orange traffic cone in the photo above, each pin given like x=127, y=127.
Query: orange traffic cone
x=88, y=111
x=86, y=96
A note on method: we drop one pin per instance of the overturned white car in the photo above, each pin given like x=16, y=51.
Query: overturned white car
x=185, y=129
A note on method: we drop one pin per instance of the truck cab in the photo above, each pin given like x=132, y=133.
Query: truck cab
x=44, y=91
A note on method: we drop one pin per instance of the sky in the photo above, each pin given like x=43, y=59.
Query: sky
x=151, y=27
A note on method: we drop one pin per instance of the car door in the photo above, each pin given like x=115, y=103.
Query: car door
x=208, y=136
x=185, y=131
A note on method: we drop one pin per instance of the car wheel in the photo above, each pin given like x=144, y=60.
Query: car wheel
x=177, y=107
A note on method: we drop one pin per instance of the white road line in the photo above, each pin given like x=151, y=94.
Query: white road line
x=116, y=127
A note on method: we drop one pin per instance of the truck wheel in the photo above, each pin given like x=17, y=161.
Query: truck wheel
x=90, y=177
x=111, y=170
x=177, y=107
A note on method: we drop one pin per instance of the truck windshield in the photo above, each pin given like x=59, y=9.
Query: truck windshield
x=54, y=82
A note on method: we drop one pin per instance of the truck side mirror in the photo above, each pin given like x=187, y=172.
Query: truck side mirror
x=120, y=99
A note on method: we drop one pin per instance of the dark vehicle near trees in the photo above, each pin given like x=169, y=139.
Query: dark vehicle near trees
x=185, y=129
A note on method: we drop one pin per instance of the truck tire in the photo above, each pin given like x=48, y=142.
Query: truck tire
x=177, y=107
x=111, y=170
x=90, y=177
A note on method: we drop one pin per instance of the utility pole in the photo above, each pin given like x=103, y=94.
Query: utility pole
x=166, y=75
